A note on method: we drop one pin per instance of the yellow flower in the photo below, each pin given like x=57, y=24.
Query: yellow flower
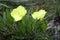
x=39, y=15
x=35, y=15
x=18, y=13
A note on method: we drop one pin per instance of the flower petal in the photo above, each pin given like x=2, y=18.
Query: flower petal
x=18, y=13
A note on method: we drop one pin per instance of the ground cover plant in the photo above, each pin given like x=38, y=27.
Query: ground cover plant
x=27, y=22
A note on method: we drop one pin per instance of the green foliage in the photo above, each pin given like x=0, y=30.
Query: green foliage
x=27, y=28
